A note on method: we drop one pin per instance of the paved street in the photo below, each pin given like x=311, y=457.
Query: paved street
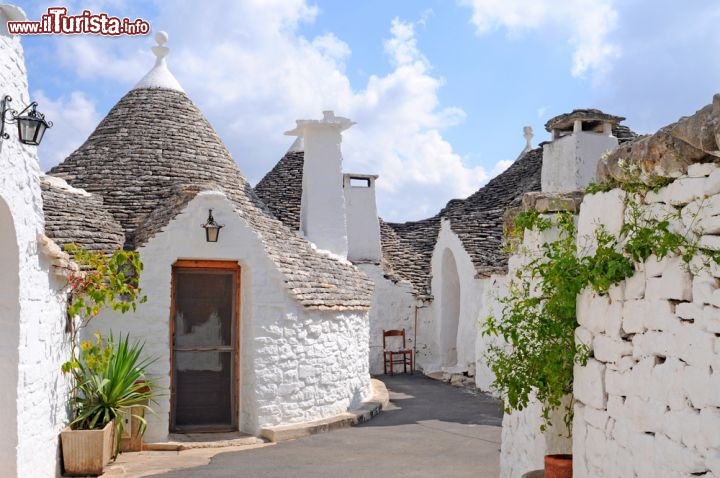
x=430, y=430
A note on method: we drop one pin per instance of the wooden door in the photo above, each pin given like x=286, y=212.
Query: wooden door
x=205, y=317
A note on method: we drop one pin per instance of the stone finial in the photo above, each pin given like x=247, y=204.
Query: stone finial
x=160, y=76
x=161, y=51
x=528, y=135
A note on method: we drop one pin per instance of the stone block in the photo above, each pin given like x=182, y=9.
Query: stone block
x=642, y=447
x=592, y=310
x=597, y=418
x=699, y=170
x=675, y=282
x=690, y=310
x=596, y=449
x=694, y=346
x=653, y=197
x=652, y=344
x=658, y=315
x=709, y=429
x=613, y=320
x=709, y=319
x=635, y=286
x=712, y=185
x=715, y=298
x=682, y=426
x=589, y=384
x=606, y=209
x=606, y=349
x=655, y=267
x=644, y=415
x=712, y=460
x=703, y=286
x=633, y=317
x=667, y=383
x=684, y=190
x=695, y=381
x=676, y=457
x=583, y=336
x=616, y=411
x=709, y=242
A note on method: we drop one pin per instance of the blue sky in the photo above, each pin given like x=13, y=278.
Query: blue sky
x=440, y=89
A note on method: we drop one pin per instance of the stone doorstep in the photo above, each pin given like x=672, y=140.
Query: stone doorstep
x=179, y=442
x=379, y=400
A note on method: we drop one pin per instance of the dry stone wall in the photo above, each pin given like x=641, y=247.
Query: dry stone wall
x=648, y=402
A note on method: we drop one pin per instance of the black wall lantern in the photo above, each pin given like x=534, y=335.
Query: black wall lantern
x=31, y=127
x=212, y=229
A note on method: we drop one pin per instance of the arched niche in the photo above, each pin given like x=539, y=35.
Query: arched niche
x=449, y=309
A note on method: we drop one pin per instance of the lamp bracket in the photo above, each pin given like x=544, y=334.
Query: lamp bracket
x=10, y=116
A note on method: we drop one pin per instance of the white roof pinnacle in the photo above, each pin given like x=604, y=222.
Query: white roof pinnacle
x=160, y=76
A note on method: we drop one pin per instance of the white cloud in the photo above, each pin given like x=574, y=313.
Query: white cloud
x=251, y=72
x=587, y=25
x=74, y=117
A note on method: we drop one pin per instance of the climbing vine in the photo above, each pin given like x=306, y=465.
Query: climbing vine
x=538, y=318
x=103, y=280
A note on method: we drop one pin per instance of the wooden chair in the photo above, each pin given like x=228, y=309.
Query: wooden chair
x=395, y=356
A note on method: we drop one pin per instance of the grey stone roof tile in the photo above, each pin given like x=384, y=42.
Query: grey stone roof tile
x=77, y=218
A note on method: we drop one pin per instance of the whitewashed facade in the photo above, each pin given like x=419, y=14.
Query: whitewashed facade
x=33, y=344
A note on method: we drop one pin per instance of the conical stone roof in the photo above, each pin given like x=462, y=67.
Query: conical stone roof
x=155, y=151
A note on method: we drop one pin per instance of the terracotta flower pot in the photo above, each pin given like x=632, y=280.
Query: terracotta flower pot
x=558, y=466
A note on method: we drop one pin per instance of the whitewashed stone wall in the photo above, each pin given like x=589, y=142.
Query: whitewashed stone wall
x=523, y=445
x=296, y=365
x=32, y=311
x=393, y=308
x=649, y=401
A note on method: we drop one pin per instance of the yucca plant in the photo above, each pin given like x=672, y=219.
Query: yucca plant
x=109, y=378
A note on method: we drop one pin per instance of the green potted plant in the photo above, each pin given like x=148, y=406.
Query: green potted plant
x=107, y=377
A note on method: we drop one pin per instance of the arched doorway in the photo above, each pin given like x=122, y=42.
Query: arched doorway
x=449, y=309
x=9, y=338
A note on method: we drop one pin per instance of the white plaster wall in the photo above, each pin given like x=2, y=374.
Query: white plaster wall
x=469, y=307
x=32, y=320
x=322, y=207
x=393, y=308
x=648, y=403
x=276, y=335
x=493, y=289
x=363, y=227
x=569, y=163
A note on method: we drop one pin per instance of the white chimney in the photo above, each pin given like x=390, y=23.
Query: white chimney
x=363, y=227
x=579, y=140
x=322, y=207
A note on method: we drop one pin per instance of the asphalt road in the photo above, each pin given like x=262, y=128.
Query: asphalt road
x=430, y=430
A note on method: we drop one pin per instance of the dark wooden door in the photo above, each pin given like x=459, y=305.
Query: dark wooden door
x=204, y=346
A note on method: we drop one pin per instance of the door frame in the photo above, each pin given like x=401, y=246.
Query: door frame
x=209, y=265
